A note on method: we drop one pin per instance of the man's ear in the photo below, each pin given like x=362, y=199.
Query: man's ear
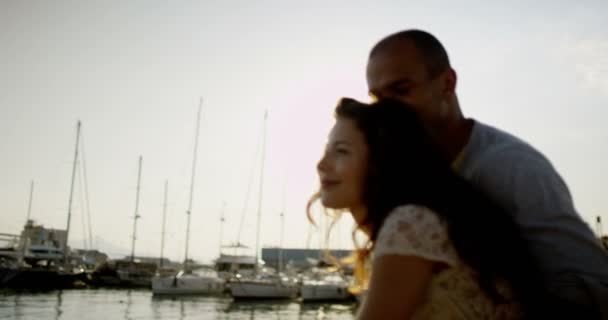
x=450, y=78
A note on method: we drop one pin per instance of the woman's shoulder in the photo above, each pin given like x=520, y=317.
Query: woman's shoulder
x=412, y=218
x=415, y=230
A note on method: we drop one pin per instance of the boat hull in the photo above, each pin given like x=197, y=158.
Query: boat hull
x=324, y=293
x=39, y=279
x=186, y=286
x=262, y=290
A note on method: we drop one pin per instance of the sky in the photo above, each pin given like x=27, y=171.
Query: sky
x=134, y=72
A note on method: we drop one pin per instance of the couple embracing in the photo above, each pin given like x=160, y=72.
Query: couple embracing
x=462, y=220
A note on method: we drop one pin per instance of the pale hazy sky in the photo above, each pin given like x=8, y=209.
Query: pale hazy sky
x=133, y=72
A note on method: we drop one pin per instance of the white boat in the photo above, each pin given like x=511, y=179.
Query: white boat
x=189, y=281
x=229, y=265
x=264, y=283
x=202, y=281
x=136, y=274
x=328, y=287
x=263, y=286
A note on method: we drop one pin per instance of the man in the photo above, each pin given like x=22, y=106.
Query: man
x=412, y=66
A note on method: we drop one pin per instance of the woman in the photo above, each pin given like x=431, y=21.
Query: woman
x=437, y=248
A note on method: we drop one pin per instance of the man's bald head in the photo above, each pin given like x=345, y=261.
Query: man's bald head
x=413, y=67
x=430, y=50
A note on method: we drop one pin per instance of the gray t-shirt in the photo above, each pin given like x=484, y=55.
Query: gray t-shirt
x=524, y=182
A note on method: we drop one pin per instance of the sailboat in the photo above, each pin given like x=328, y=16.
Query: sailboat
x=133, y=273
x=164, y=270
x=324, y=283
x=42, y=255
x=189, y=281
x=265, y=282
x=128, y=272
x=230, y=264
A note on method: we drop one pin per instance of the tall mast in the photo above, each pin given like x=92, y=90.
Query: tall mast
x=261, y=188
x=222, y=219
x=86, y=190
x=82, y=205
x=189, y=211
x=282, y=215
x=29, y=206
x=136, y=214
x=67, y=230
x=280, y=266
x=162, y=238
x=24, y=240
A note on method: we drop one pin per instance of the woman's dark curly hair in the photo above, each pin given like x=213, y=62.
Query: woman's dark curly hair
x=405, y=167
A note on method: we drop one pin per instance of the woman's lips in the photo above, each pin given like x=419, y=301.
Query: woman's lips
x=326, y=183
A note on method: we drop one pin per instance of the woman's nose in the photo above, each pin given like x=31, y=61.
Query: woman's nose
x=322, y=164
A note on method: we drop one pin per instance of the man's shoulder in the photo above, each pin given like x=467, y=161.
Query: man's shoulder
x=485, y=136
x=490, y=146
x=501, y=161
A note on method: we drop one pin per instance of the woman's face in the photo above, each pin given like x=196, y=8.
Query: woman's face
x=343, y=166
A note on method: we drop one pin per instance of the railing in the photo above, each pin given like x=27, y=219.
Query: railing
x=8, y=240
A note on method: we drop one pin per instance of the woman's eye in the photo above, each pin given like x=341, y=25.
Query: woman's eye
x=342, y=151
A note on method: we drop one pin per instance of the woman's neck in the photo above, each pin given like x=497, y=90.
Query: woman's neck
x=359, y=213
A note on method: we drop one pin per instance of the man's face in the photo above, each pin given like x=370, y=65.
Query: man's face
x=398, y=72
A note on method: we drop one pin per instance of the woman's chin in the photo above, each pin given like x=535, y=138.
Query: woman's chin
x=332, y=204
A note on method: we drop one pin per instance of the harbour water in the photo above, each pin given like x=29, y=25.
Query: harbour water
x=106, y=304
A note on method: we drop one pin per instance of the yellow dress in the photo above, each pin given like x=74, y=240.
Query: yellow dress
x=454, y=292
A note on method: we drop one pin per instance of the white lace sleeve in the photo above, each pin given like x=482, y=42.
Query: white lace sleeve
x=415, y=231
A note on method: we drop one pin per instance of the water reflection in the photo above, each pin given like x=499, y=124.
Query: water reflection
x=324, y=310
x=58, y=310
x=106, y=304
x=187, y=306
x=182, y=310
x=128, y=303
x=17, y=307
x=261, y=309
x=156, y=307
